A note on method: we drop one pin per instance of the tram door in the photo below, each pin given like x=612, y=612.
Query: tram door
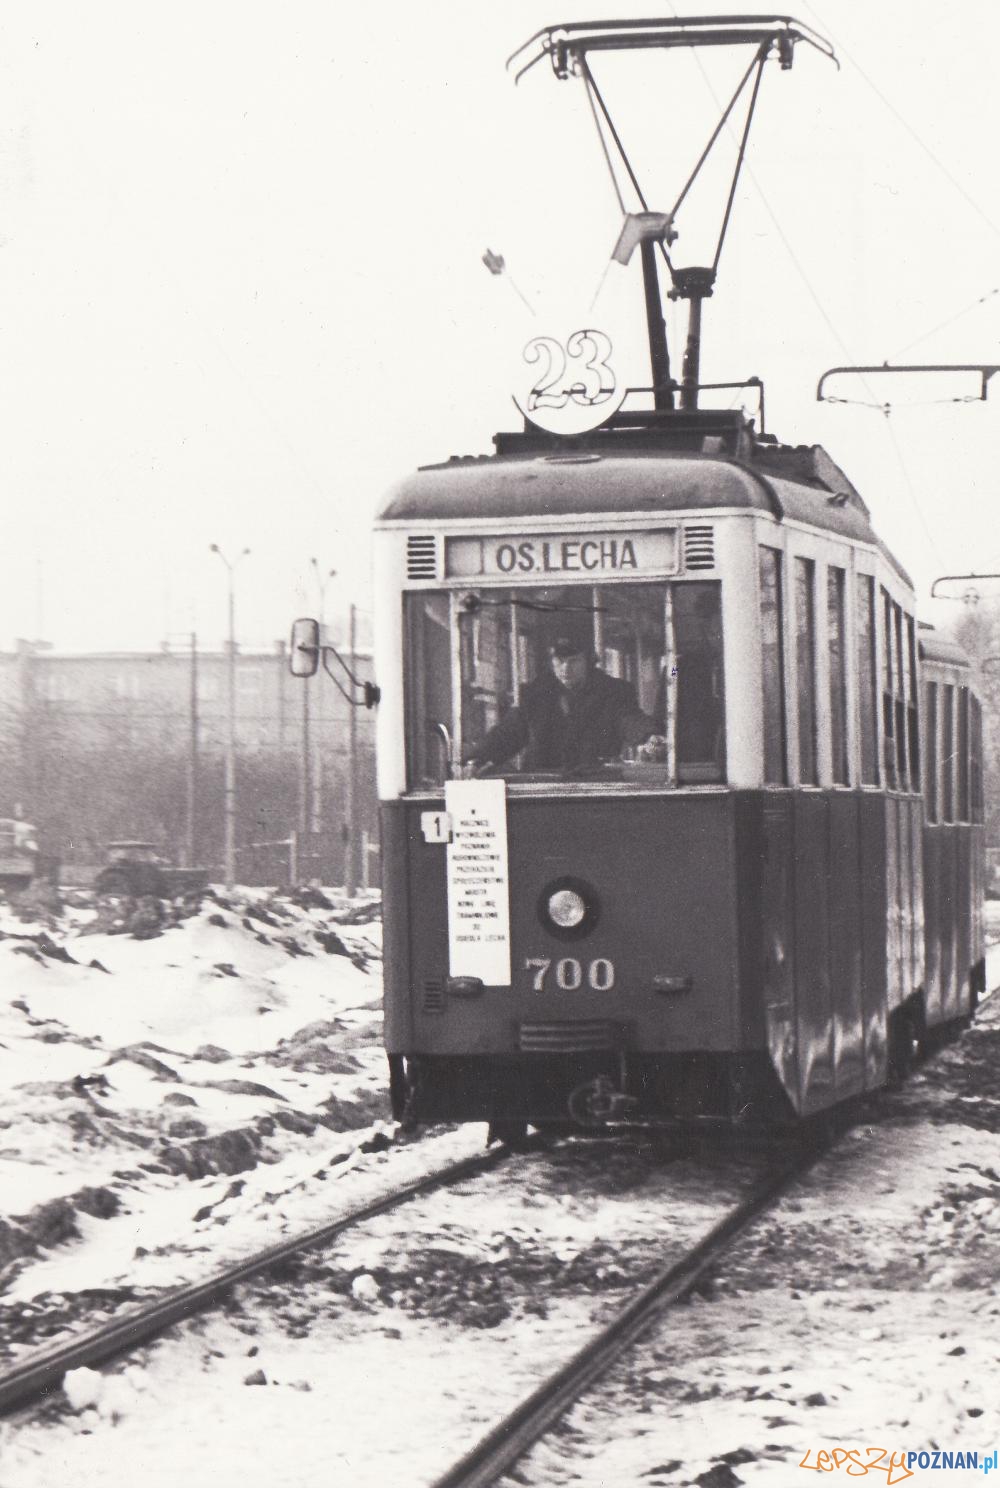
x=777, y=909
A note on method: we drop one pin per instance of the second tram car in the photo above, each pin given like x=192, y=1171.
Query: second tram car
x=756, y=898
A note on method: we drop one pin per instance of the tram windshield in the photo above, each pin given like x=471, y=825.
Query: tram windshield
x=570, y=683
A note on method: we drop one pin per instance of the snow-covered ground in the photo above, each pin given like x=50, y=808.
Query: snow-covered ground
x=174, y=1102
x=160, y=1095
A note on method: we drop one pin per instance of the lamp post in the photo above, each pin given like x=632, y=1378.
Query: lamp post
x=316, y=764
x=230, y=785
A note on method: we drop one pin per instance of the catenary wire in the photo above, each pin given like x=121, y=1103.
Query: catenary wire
x=944, y=324
x=835, y=332
x=910, y=129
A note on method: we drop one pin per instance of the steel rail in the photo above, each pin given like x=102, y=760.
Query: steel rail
x=498, y=1451
x=43, y=1369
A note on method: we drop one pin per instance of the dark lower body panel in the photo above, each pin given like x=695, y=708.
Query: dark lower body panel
x=589, y=1089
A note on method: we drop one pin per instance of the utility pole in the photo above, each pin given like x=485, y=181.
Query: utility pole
x=230, y=779
x=305, y=763
x=192, y=771
x=352, y=773
x=316, y=814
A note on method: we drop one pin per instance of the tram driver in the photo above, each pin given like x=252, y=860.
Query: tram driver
x=571, y=716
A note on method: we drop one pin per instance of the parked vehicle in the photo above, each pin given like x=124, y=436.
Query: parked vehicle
x=137, y=868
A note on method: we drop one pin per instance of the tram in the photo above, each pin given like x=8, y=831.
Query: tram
x=737, y=877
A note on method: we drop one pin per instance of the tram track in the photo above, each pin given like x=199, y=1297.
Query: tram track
x=28, y=1380
x=502, y=1447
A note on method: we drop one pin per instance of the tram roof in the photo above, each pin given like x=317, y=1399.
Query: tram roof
x=800, y=483
x=937, y=648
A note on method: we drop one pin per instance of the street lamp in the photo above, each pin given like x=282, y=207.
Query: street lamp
x=322, y=579
x=230, y=786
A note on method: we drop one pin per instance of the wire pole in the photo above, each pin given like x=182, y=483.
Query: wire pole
x=352, y=773
x=229, y=868
x=305, y=763
x=316, y=814
x=192, y=771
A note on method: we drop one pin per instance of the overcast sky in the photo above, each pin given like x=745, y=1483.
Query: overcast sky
x=241, y=289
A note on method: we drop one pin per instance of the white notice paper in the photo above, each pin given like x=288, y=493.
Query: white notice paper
x=478, y=881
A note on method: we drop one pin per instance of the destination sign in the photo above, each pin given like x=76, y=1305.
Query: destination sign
x=594, y=554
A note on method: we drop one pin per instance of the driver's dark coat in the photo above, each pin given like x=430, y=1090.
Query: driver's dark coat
x=561, y=728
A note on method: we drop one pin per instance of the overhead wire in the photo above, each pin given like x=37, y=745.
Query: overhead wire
x=910, y=129
x=835, y=332
x=966, y=196
x=932, y=542
x=944, y=324
x=932, y=156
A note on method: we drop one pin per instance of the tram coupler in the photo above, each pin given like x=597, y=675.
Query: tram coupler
x=598, y=1102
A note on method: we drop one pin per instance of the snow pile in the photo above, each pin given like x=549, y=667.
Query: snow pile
x=205, y=1044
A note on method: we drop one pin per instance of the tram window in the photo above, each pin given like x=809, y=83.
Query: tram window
x=569, y=682
x=899, y=706
x=837, y=650
x=976, y=756
x=867, y=693
x=428, y=688
x=572, y=682
x=947, y=753
x=930, y=736
x=773, y=663
x=805, y=667
x=888, y=711
x=962, y=753
x=700, y=722
x=912, y=728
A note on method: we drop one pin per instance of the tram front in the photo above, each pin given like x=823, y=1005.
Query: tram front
x=558, y=748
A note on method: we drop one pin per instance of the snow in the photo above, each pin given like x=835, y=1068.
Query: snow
x=863, y=1311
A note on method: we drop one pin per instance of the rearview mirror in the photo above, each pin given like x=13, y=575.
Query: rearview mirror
x=303, y=653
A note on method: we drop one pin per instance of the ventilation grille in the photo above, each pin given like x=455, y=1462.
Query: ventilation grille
x=433, y=995
x=699, y=547
x=421, y=557
x=569, y=1038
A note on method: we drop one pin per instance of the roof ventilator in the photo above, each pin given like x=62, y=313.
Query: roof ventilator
x=699, y=547
x=421, y=556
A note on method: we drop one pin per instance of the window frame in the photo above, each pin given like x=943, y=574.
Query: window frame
x=774, y=706
x=806, y=680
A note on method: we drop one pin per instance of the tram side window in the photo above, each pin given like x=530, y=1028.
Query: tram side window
x=947, y=753
x=912, y=727
x=976, y=756
x=930, y=735
x=867, y=694
x=888, y=692
x=837, y=650
x=899, y=697
x=700, y=725
x=773, y=660
x=962, y=751
x=805, y=666
x=899, y=705
x=428, y=697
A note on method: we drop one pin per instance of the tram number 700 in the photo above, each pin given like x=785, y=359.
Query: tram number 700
x=571, y=974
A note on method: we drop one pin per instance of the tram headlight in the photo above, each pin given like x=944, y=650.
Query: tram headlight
x=568, y=908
